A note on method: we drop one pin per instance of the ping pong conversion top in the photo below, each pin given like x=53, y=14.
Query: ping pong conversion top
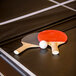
x=22, y=16
x=41, y=62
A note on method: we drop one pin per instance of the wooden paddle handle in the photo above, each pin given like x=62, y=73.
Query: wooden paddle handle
x=24, y=47
x=54, y=47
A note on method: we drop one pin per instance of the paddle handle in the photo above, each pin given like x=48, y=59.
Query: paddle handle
x=24, y=47
x=54, y=47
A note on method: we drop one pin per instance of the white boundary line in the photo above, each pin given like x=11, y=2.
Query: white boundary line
x=64, y=5
x=34, y=13
x=17, y=62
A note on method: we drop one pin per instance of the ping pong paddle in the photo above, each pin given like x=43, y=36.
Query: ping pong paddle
x=54, y=38
x=28, y=41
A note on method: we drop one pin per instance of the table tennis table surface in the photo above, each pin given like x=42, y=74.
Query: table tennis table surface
x=21, y=17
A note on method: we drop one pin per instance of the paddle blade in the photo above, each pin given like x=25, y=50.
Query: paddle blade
x=52, y=36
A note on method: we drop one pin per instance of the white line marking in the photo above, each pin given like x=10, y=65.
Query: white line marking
x=64, y=5
x=17, y=62
x=34, y=13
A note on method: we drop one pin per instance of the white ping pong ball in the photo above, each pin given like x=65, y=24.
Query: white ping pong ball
x=43, y=44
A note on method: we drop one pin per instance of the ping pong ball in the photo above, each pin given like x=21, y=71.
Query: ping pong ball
x=43, y=44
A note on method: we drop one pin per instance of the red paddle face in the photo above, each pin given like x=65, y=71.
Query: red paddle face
x=52, y=36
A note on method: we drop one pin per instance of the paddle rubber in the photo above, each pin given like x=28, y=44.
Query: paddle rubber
x=52, y=36
x=31, y=38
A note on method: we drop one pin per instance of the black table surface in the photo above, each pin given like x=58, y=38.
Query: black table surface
x=11, y=9
x=36, y=60
x=6, y=69
x=44, y=63
x=14, y=9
